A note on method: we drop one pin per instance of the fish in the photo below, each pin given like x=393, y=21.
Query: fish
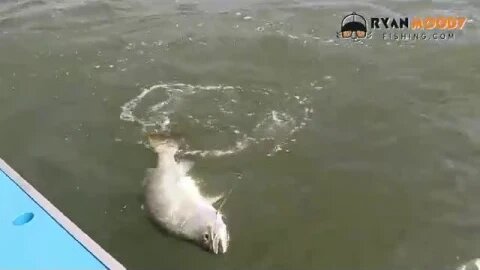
x=175, y=202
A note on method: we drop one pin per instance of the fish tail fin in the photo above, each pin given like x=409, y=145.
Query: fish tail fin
x=162, y=143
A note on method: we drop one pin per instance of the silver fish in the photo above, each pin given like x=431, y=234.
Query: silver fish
x=175, y=202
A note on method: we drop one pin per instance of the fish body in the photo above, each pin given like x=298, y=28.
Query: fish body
x=175, y=202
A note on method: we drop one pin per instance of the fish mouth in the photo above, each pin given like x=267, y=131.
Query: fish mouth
x=219, y=244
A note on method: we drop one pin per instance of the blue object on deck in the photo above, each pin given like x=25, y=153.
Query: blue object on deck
x=36, y=235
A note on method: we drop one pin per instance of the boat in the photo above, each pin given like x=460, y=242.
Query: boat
x=34, y=234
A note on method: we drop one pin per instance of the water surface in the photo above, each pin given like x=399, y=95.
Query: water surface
x=345, y=155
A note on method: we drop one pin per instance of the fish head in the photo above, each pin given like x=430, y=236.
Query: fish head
x=216, y=238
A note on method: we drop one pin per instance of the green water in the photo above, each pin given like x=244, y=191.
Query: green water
x=344, y=155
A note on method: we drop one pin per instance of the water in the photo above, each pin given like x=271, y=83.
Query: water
x=345, y=155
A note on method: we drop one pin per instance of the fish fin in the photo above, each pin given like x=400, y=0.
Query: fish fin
x=215, y=199
x=161, y=143
x=186, y=165
x=149, y=174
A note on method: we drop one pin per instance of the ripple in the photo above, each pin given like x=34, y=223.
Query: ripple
x=231, y=117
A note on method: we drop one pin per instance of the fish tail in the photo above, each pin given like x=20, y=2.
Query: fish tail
x=162, y=143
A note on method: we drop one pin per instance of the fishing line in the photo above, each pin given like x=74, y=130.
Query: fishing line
x=225, y=198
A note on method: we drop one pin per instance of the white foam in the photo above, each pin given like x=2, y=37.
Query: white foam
x=277, y=126
x=239, y=146
x=127, y=108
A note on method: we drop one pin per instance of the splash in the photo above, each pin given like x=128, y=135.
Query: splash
x=230, y=119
